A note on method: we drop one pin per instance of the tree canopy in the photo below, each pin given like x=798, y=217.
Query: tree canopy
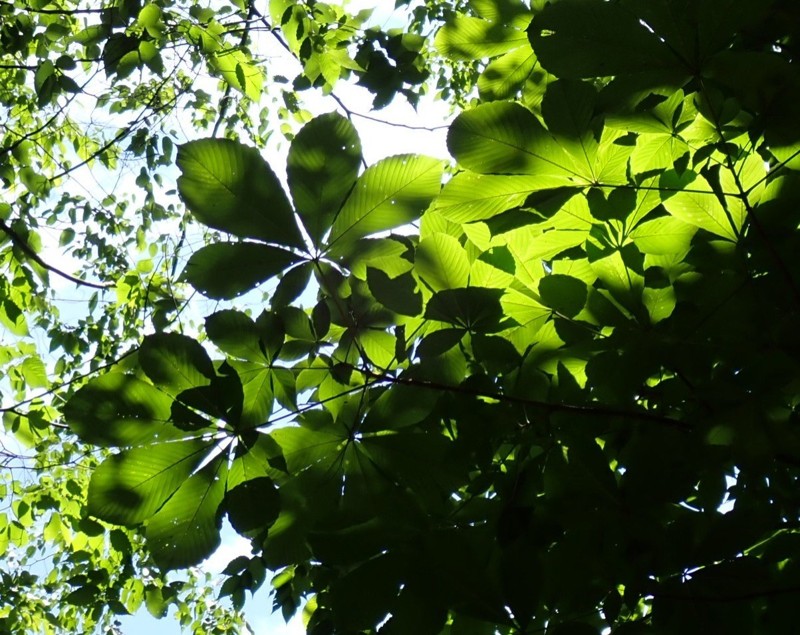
x=549, y=386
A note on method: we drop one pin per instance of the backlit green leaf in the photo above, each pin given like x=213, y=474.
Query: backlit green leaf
x=506, y=138
x=225, y=270
x=389, y=194
x=468, y=38
x=118, y=409
x=129, y=487
x=442, y=262
x=322, y=167
x=185, y=530
x=228, y=186
x=175, y=362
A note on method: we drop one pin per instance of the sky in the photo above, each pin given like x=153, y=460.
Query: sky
x=407, y=135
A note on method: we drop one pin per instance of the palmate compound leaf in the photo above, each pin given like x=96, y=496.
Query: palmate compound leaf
x=228, y=185
x=389, y=194
x=225, y=270
x=322, y=166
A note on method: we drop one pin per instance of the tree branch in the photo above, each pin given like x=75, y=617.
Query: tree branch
x=586, y=410
x=20, y=242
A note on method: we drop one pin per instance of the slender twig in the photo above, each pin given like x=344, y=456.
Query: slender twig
x=20, y=242
x=587, y=410
x=58, y=386
x=352, y=113
x=30, y=9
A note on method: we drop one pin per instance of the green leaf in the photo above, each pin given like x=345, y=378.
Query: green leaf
x=129, y=487
x=155, y=602
x=506, y=138
x=34, y=372
x=504, y=76
x=474, y=309
x=225, y=270
x=568, y=109
x=120, y=54
x=253, y=505
x=398, y=294
x=697, y=204
x=117, y=409
x=257, y=392
x=442, y=262
x=469, y=197
x=380, y=347
x=238, y=71
x=235, y=334
x=322, y=167
x=513, y=12
x=185, y=530
x=389, y=194
x=44, y=82
x=377, y=578
x=564, y=294
x=663, y=236
x=291, y=285
x=579, y=39
x=660, y=303
x=228, y=185
x=304, y=448
x=469, y=38
x=175, y=362
x=400, y=406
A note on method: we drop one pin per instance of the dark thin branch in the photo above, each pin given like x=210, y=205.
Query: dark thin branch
x=351, y=113
x=269, y=27
x=58, y=386
x=27, y=415
x=20, y=242
x=127, y=130
x=587, y=410
x=30, y=9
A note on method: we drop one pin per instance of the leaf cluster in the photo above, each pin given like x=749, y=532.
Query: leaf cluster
x=556, y=392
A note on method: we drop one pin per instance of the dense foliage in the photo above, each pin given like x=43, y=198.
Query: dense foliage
x=550, y=387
